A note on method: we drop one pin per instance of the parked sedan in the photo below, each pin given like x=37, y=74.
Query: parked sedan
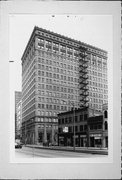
x=18, y=145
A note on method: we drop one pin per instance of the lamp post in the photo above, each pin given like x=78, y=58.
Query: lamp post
x=74, y=127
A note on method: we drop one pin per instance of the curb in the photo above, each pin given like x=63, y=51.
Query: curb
x=101, y=152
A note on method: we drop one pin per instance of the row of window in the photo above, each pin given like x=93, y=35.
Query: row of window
x=53, y=81
x=58, y=49
x=29, y=57
x=60, y=57
x=57, y=76
x=26, y=91
x=53, y=100
x=78, y=118
x=96, y=84
x=29, y=101
x=96, y=68
x=95, y=92
x=48, y=113
x=57, y=88
x=56, y=46
x=55, y=66
x=92, y=78
x=46, y=119
x=58, y=95
x=27, y=98
x=58, y=82
x=96, y=106
x=52, y=107
x=71, y=129
x=28, y=111
x=94, y=100
x=28, y=116
x=29, y=70
x=97, y=74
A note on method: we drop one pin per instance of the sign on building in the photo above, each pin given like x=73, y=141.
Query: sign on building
x=65, y=129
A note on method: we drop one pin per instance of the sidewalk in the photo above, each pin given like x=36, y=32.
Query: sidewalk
x=92, y=150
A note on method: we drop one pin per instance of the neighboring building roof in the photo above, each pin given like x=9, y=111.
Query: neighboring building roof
x=91, y=112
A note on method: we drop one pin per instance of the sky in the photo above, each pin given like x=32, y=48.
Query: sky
x=95, y=30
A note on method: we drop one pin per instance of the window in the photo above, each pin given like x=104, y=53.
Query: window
x=85, y=127
x=81, y=117
x=85, y=117
x=76, y=118
x=70, y=129
x=76, y=128
x=105, y=114
x=81, y=127
x=106, y=125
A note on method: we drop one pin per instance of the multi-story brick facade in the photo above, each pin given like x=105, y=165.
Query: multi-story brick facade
x=50, y=82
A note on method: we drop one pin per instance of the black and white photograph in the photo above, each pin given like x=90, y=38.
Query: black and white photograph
x=61, y=81
x=61, y=100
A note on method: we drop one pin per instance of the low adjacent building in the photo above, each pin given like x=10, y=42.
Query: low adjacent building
x=89, y=128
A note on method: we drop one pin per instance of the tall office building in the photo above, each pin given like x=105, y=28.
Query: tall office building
x=51, y=79
x=18, y=96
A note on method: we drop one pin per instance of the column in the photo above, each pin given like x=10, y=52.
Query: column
x=36, y=133
x=52, y=135
x=103, y=142
x=45, y=134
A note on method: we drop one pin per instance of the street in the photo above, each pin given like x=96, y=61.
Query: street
x=27, y=152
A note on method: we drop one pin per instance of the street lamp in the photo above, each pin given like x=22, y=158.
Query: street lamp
x=74, y=127
x=73, y=124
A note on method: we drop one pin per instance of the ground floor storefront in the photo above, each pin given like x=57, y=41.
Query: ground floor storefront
x=68, y=140
x=83, y=140
x=40, y=133
x=98, y=140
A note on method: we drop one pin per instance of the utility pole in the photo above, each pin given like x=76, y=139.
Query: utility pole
x=74, y=127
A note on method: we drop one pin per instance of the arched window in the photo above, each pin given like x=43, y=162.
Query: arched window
x=106, y=125
x=105, y=114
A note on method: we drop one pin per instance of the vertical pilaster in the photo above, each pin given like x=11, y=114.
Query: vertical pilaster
x=52, y=134
x=36, y=133
x=45, y=134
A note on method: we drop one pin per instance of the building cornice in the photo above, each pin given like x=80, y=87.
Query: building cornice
x=76, y=42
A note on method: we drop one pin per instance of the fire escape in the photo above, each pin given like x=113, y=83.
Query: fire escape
x=83, y=77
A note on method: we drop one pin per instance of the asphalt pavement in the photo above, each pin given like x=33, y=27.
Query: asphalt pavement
x=27, y=152
x=88, y=150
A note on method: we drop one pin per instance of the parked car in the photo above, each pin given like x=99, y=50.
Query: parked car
x=18, y=145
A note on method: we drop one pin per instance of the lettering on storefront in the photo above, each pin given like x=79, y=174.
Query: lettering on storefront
x=95, y=135
x=82, y=135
